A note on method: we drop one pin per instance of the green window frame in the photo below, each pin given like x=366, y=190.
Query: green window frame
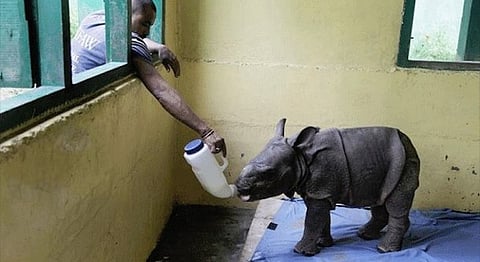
x=468, y=48
x=35, y=55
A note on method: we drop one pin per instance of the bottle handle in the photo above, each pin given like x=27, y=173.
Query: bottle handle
x=224, y=164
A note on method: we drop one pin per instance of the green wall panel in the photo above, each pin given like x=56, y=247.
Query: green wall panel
x=15, y=70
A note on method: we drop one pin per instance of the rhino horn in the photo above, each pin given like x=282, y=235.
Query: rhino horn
x=279, y=131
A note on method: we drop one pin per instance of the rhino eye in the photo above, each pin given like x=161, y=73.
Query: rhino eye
x=260, y=184
x=260, y=167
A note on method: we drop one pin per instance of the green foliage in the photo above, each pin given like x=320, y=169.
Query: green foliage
x=73, y=25
x=73, y=6
x=435, y=47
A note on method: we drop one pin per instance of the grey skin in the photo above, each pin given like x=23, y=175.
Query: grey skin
x=376, y=167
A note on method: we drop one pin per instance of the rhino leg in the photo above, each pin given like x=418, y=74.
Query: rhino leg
x=317, y=228
x=379, y=220
x=397, y=227
x=398, y=204
x=325, y=239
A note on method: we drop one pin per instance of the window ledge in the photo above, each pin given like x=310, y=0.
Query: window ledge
x=80, y=77
x=8, y=92
x=26, y=96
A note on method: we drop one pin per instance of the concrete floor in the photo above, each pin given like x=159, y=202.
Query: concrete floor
x=206, y=233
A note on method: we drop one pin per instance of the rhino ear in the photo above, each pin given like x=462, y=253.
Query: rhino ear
x=279, y=131
x=305, y=136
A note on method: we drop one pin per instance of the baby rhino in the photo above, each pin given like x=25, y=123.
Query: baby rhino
x=376, y=167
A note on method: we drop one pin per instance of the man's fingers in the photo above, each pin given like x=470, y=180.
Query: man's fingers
x=172, y=64
x=167, y=66
x=216, y=144
x=221, y=147
x=224, y=152
x=176, y=68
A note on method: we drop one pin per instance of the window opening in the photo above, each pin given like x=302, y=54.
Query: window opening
x=441, y=34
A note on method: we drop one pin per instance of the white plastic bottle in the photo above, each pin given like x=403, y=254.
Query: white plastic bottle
x=207, y=169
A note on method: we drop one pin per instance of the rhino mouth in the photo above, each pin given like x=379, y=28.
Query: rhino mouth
x=249, y=191
x=244, y=188
x=246, y=194
x=245, y=198
x=243, y=193
x=252, y=194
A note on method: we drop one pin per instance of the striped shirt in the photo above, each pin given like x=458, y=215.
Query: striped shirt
x=140, y=48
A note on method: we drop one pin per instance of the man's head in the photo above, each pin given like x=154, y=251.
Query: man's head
x=143, y=16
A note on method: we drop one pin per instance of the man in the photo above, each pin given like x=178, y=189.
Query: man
x=88, y=51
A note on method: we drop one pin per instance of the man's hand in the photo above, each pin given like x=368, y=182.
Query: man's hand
x=215, y=143
x=169, y=60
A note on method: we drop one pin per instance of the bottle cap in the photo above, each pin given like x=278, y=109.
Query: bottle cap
x=193, y=146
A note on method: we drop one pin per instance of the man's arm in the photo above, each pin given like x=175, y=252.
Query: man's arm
x=153, y=46
x=171, y=100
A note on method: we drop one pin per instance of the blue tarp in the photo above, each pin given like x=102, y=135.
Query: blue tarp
x=434, y=235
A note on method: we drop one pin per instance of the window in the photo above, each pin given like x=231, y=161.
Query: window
x=440, y=34
x=35, y=61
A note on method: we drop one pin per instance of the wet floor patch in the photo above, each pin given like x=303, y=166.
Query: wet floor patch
x=203, y=233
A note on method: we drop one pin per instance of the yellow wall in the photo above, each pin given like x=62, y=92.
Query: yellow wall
x=246, y=64
x=93, y=184
x=98, y=182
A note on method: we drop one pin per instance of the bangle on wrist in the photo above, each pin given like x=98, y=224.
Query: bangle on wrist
x=208, y=133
